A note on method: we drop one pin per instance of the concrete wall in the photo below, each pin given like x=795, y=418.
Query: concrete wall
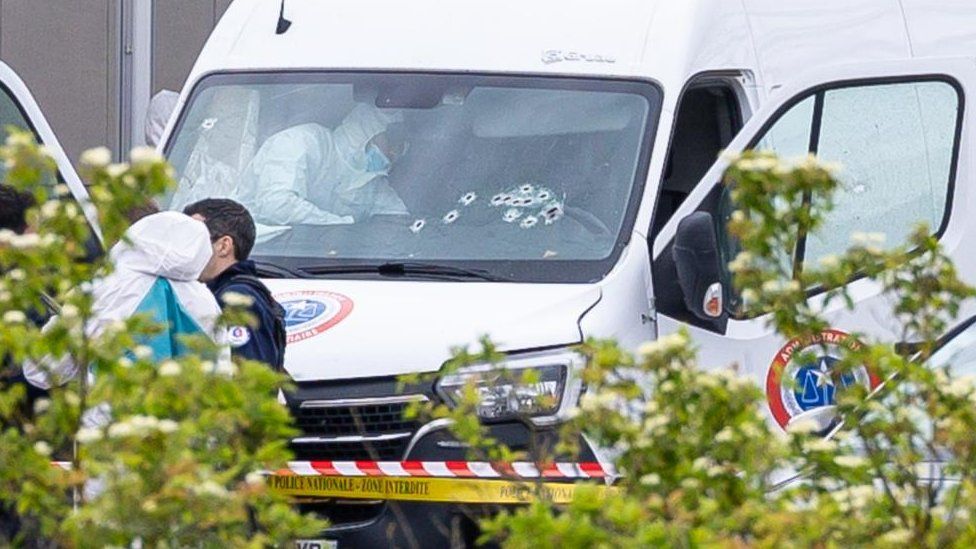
x=77, y=56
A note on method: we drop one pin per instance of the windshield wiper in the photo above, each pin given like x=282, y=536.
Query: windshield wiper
x=406, y=269
x=273, y=270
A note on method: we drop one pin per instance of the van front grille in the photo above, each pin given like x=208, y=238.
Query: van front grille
x=361, y=419
x=365, y=450
x=354, y=429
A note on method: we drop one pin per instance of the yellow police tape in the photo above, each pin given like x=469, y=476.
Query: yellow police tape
x=441, y=490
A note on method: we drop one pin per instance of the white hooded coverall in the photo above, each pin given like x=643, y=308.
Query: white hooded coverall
x=310, y=175
x=156, y=270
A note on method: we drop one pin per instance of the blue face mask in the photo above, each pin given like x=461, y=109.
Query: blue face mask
x=376, y=161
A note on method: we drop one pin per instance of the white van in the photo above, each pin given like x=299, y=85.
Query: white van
x=557, y=150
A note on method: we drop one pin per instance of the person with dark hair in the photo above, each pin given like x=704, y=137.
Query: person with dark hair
x=13, y=217
x=13, y=208
x=229, y=271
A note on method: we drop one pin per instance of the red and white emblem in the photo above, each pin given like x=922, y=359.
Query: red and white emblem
x=309, y=313
x=793, y=387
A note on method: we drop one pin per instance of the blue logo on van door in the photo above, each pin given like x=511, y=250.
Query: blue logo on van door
x=301, y=311
x=308, y=313
x=817, y=384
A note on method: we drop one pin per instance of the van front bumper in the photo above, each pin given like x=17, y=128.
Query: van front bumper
x=374, y=408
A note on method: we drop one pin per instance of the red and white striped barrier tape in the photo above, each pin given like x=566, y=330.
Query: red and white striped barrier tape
x=449, y=469
x=438, y=469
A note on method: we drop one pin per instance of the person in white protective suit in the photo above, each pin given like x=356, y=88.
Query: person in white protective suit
x=310, y=175
x=161, y=108
x=157, y=265
x=224, y=145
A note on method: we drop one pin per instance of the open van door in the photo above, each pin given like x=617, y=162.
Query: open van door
x=903, y=133
x=18, y=108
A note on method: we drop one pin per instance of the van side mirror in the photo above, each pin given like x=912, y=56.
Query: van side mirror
x=699, y=266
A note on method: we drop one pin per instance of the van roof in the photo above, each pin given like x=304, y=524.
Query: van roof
x=665, y=39
x=489, y=35
x=662, y=39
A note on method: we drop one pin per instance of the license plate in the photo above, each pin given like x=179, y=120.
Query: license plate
x=316, y=544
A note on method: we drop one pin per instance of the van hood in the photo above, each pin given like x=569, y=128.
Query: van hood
x=341, y=329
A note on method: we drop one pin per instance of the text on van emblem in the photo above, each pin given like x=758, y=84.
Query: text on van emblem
x=558, y=56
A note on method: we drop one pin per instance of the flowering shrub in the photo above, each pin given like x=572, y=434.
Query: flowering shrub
x=700, y=463
x=178, y=459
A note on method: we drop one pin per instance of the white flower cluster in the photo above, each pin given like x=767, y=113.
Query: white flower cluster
x=961, y=387
x=654, y=424
x=133, y=426
x=22, y=241
x=87, y=435
x=742, y=262
x=759, y=164
x=20, y=139
x=209, y=488
x=817, y=444
x=42, y=448
x=709, y=466
x=70, y=311
x=768, y=162
x=14, y=317
x=254, y=478
x=725, y=435
x=811, y=162
x=591, y=402
x=170, y=368
x=780, y=286
x=871, y=242
x=235, y=299
x=829, y=262
x=898, y=536
x=117, y=170
x=651, y=479
x=96, y=158
x=855, y=497
x=140, y=156
x=852, y=462
x=663, y=344
x=143, y=352
x=803, y=427
x=50, y=209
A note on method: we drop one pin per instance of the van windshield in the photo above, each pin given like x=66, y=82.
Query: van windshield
x=529, y=178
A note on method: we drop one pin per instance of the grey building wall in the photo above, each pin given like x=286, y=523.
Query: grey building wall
x=180, y=28
x=67, y=53
x=77, y=56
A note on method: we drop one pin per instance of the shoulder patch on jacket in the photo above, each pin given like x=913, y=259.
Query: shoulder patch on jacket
x=238, y=336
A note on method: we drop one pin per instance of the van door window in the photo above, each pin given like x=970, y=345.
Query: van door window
x=790, y=135
x=895, y=145
x=10, y=115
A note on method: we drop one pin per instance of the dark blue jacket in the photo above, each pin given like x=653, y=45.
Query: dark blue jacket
x=246, y=342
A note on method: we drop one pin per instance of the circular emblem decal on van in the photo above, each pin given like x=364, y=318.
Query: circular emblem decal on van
x=793, y=387
x=309, y=313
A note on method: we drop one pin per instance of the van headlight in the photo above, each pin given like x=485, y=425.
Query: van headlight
x=541, y=386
